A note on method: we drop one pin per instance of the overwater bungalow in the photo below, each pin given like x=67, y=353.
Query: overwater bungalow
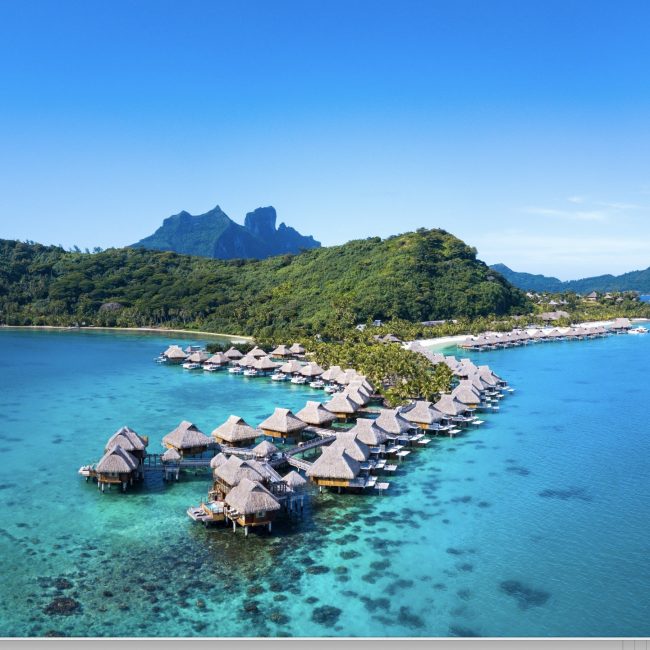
x=227, y=475
x=264, y=364
x=353, y=446
x=621, y=325
x=295, y=481
x=281, y=351
x=117, y=467
x=346, y=376
x=331, y=373
x=357, y=394
x=265, y=450
x=316, y=415
x=233, y=354
x=291, y=367
x=247, y=361
x=130, y=441
x=174, y=354
x=257, y=352
x=218, y=460
x=171, y=461
x=250, y=504
x=218, y=359
x=422, y=414
x=200, y=356
x=311, y=369
x=394, y=424
x=234, y=432
x=467, y=394
x=297, y=349
x=187, y=439
x=342, y=406
x=334, y=468
x=282, y=424
x=368, y=432
x=449, y=405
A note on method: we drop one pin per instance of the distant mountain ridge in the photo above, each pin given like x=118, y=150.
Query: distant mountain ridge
x=215, y=234
x=632, y=281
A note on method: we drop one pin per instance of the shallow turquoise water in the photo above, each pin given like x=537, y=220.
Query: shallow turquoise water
x=534, y=525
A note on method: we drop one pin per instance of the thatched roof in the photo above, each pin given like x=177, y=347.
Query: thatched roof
x=218, y=359
x=247, y=362
x=369, y=432
x=170, y=456
x=185, y=436
x=218, y=460
x=346, y=376
x=128, y=439
x=294, y=480
x=291, y=366
x=466, y=393
x=174, y=352
x=235, y=429
x=296, y=348
x=354, y=447
x=249, y=497
x=257, y=352
x=265, y=363
x=392, y=422
x=233, y=354
x=421, y=412
x=334, y=463
x=331, y=373
x=281, y=351
x=264, y=449
x=450, y=405
x=362, y=382
x=357, y=395
x=316, y=414
x=283, y=421
x=116, y=461
x=342, y=404
x=235, y=469
x=311, y=370
x=198, y=357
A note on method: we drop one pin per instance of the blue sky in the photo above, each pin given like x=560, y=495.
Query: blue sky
x=521, y=127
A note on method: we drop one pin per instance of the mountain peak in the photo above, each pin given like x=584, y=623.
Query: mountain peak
x=214, y=234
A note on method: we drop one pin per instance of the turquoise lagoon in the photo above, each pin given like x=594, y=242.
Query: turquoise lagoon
x=536, y=524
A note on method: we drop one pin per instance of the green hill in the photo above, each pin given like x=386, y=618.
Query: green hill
x=632, y=281
x=426, y=275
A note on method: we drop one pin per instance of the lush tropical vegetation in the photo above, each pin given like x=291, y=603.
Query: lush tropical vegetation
x=420, y=276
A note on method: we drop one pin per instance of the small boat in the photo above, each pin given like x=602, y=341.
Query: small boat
x=210, y=367
x=235, y=370
x=638, y=330
x=250, y=372
x=189, y=365
x=319, y=383
x=298, y=379
x=161, y=359
x=279, y=376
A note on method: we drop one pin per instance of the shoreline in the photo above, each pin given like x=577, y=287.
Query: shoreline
x=443, y=341
x=155, y=330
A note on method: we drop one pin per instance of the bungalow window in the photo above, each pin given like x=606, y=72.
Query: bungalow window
x=260, y=515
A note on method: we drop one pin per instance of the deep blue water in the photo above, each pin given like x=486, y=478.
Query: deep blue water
x=534, y=525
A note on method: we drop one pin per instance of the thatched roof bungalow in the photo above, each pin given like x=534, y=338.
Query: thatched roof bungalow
x=200, y=356
x=265, y=364
x=422, y=413
x=251, y=504
x=334, y=467
x=354, y=447
x=315, y=414
x=171, y=456
x=265, y=449
x=174, y=354
x=257, y=352
x=233, y=354
x=218, y=359
x=368, y=432
x=296, y=348
x=116, y=466
x=357, y=394
x=247, y=361
x=234, y=432
x=281, y=351
x=187, y=439
x=311, y=369
x=130, y=441
x=451, y=406
x=282, y=424
x=466, y=394
x=342, y=406
x=331, y=373
x=295, y=482
x=218, y=460
x=393, y=423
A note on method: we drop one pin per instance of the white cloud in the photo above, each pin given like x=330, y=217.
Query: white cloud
x=576, y=199
x=577, y=215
